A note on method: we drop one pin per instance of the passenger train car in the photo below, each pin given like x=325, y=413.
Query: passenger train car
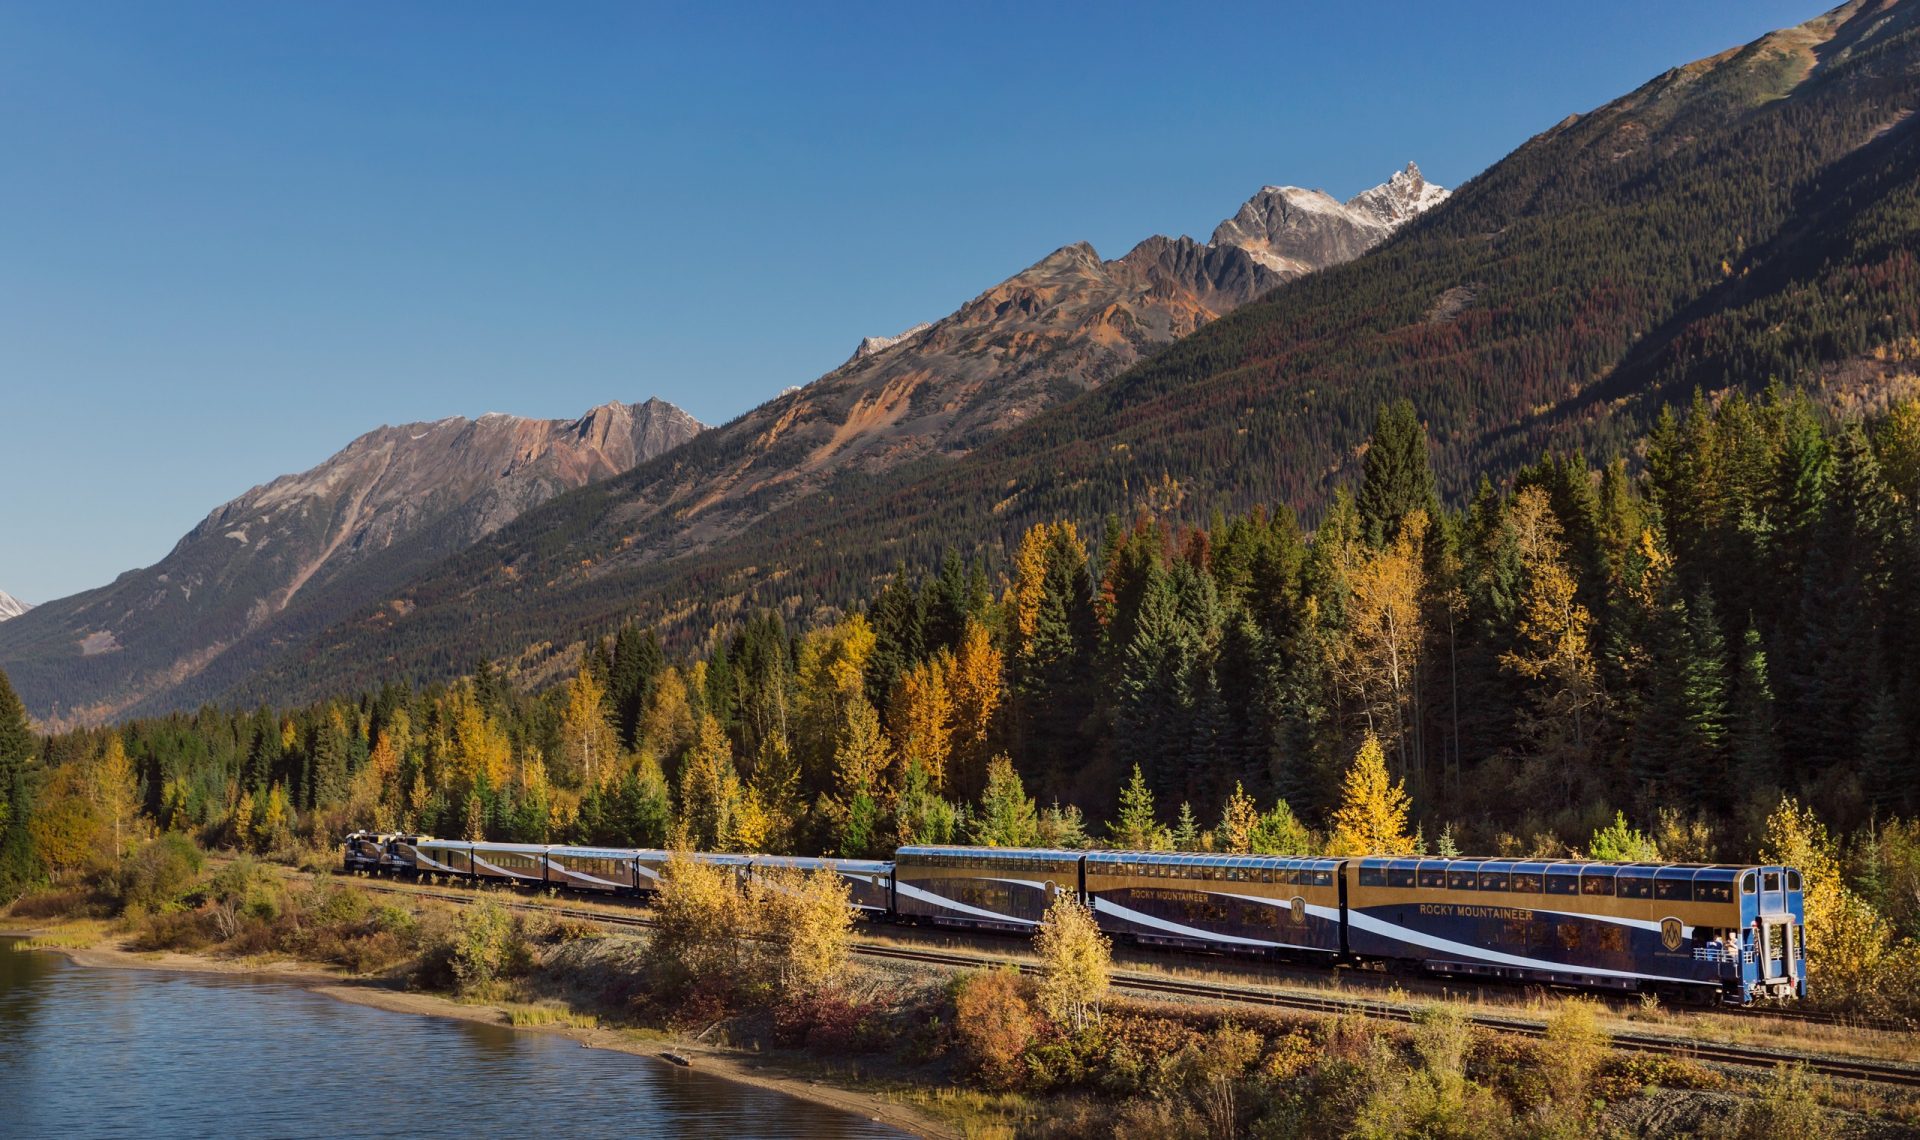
x=1735, y=932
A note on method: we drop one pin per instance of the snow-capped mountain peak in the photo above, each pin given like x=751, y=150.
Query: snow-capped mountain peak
x=11, y=607
x=1399, y=199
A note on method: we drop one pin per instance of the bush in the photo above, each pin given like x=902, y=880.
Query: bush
x=484, y=948
x=1789, y=1106
x=992, y=1025
x=154, y=877
x=828, y=1021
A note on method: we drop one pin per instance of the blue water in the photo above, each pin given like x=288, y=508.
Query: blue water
x=136, y=1053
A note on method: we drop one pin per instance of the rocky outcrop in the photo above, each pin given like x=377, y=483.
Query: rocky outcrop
x=1293, y=231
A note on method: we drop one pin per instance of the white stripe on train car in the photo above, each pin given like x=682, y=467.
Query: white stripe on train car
x=1371, y=925
x=1132, y=915
x=942, y=901
x=501, y=871
x=566, y=870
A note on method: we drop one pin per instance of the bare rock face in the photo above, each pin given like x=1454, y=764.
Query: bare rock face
x=11, y=607
x=1292, y=231
x=300, y=550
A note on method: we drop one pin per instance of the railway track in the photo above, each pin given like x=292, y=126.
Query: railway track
x=1737, y=1055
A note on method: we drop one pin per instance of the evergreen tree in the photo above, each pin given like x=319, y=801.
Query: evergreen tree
x=1186, y=829
x=1007, y=818
x=637, y=663
x=1753, y=741
x=1134, y=827
x=1396, y=475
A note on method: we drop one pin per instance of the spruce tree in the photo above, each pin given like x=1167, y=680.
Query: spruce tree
x=1753, y=739
x=1396, y=475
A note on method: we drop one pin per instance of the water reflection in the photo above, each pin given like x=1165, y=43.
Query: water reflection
x=90, y=1052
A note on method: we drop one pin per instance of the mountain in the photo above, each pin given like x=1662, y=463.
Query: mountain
x=1750, y=217
x=302, y=551
x=11, y=607
x=1293, y=231
x=258, y=576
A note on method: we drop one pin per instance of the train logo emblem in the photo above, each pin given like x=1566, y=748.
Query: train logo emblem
x=1671, y=931
x=1298, y=909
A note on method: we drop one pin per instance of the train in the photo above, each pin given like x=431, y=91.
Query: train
x=1731, y=934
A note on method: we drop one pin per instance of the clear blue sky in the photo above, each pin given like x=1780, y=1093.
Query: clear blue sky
x=234, y=236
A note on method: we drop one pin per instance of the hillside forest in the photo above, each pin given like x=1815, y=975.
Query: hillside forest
x=1707, y=650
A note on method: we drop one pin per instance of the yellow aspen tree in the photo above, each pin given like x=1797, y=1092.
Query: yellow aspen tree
x=1238, y=822
x=276, y=818
x=240, y=822
x=116, y=793
x=1076, y=962
x=1552, y=634
x=921, y=717
x=975, y=684
x=1372, y=817
x=861, y=755
x=829, y=675
x=667, y=724
x=807, y=921
x=1386, y=631
x=588, y=744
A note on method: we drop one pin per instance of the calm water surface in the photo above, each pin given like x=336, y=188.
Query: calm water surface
x=93, y=1052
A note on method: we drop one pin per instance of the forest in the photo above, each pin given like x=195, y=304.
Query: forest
x=1706, y=655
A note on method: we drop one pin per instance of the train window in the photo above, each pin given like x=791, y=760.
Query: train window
x=1266, y=874
x=1592, y=884
x=1672, y=890
x=1563, y=883
x=1524, y=883
x=1400, y=877
x=1460, y=881
x=1793, y=880
x=1323, y=878
x=1635, y=887
x=1493, y=880
x=1746, y=883
x=1773, y=880
x=1373, y=876
x=1434, y=877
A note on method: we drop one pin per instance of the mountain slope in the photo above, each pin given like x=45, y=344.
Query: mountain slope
x=11, y=607
x=1747, y=217
x=302, y=551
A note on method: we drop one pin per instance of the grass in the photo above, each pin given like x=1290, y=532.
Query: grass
x=70, y=934
x=533, y=1016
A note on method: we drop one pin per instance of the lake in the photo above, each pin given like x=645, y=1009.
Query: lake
x=109, y=1052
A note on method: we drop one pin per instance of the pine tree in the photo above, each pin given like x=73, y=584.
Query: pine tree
x=637, y=663
x=1135, y=828
x=1753, y=742
x=1186, y=829
x=1396, y=475
x=1007, y=818
x=1372, y=817
x=17, y=747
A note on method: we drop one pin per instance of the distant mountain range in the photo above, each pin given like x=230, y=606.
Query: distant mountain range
x=11, y=607
x=287, y=560
x=302, y=552
x=1750, y=217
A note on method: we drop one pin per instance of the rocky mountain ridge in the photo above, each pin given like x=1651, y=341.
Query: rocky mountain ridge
x=11, y=607
x=289, y=554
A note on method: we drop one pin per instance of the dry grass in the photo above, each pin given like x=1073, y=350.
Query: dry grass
x=531, y=1016
x=71, y=934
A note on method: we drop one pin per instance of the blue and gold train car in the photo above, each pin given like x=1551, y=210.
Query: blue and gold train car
x=982, y=888
x=869, y=882
x=1247, y=904
x=1672, y=928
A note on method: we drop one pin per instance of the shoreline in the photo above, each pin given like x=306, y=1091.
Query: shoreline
x=753, y=1070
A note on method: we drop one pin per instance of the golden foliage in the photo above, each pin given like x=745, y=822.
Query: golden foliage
x=920, y=714
x=588, y=747
x=975, y=684
x=806, y=920
x=1372, y=817
x=1077, y=959
x=710, y=792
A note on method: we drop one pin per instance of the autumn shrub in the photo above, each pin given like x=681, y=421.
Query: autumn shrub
x=1567, y=1062
x=1625, y=1074
x=156, y=875
x=1789, y=1105
x=992, y=1025
x=56, y=902
x=804, y=924
x=827, y=1020
x=185, y=931
x=483, y=947
x=1136, y=1050
x=1434, y=1097
x=700, y=920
